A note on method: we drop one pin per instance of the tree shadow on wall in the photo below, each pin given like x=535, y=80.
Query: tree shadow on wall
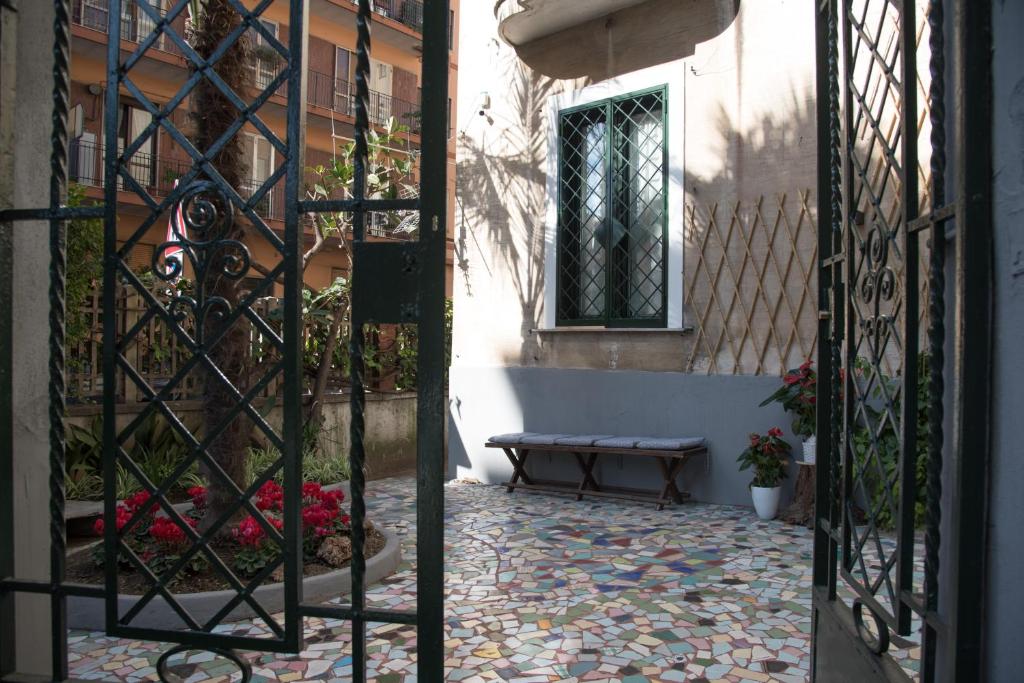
x=501, y=192
x=750, y=243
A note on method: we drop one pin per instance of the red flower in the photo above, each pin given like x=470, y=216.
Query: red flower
x=135, y=503
x=123, y=515
x=317, y=515
x=249, y=532
x=165, y=530
x=755, y=439
x=311, y=489
x=270, y=496
x=198, y=496
x=331, y=499
x=806, y=365
x=790, y=379
x=775, y=432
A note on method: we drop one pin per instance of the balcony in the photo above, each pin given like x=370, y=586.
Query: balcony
x=136, y=25
x=157, y=174
x=323, y=90
x=406, y=12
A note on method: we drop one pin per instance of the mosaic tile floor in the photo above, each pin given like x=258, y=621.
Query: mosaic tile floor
x=545, y=588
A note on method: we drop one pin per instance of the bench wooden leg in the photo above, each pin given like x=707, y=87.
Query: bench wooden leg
x=670, y=470
x=519, y=467
x=587, y=468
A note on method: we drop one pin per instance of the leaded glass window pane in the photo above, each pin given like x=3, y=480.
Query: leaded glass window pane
x=584, y=214
x=612, y=214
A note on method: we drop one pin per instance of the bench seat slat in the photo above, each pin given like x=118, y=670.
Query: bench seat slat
x=682, y=452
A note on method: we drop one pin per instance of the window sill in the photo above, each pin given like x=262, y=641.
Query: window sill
x=585, y=329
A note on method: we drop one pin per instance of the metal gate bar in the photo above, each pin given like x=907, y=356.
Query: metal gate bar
x=951, y=642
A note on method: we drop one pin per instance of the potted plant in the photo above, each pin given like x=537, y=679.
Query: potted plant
x=767, y=454
x=798, y=395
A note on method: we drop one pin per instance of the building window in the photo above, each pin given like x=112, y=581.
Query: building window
x=343, y=62
x=612, y=239
x=266, y=61
x=132, y=123
x=259, y=161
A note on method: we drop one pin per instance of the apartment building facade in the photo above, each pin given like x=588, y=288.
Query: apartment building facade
x=330, y=106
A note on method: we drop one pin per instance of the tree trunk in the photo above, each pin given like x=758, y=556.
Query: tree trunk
x=315, y=410
x=213, y=114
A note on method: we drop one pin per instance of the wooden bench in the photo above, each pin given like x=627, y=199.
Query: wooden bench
x=671, y=454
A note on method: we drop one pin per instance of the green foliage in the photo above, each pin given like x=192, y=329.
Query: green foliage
x=767, y=455
x=387, y=173
x=320, y=463
x=84, y=267
x=798, y=397
x=251, y=561
x=156, y=448
x=884, y=486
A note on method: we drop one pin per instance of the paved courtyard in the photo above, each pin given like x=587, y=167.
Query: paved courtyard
x=545, y=588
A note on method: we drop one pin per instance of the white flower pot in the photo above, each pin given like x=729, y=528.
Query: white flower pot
x=766, y=501
x=810, y=449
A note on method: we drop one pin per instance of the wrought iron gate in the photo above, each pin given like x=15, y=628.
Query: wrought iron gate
x=391, y=283
x=902, y=352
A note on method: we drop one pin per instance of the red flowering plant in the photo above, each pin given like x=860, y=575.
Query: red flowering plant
x=321, y=514
x=767, y=454
x=798, y=395
x=158, y=540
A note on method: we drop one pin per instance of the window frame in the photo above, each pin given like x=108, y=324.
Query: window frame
x=672, y=77
x=607, y=320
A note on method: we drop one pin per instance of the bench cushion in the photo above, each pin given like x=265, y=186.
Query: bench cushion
x=670, y=444
x=542, y=439
x=581, y=440
x=620, y=441
x=513, y=437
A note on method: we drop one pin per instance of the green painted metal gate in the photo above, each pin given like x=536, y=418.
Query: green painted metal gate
x=903, y=346
x=391, y=283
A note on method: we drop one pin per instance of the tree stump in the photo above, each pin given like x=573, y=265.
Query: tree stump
x=801, y=510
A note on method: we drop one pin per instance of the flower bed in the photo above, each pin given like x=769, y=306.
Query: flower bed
x=160, y=541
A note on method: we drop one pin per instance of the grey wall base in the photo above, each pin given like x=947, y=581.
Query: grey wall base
x=491, y=400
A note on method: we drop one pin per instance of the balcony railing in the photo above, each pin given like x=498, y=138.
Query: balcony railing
x=157, y=175
x=135, y=23
x=322, y=90
x=408, y=12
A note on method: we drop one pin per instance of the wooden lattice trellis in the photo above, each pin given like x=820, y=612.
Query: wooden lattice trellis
x=750, y=287
x=750, y=265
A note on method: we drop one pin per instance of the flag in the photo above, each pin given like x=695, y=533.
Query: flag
x=176, y=231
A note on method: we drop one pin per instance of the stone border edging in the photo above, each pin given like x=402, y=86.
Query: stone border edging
x=90, y=613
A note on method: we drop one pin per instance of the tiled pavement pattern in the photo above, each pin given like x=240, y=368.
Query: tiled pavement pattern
x=545, y=588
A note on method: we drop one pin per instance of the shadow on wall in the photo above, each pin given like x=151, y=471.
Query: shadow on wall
x=503, y=192
x=751, y=244
x=776, y=154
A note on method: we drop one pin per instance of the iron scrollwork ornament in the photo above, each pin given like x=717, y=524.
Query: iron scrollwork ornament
x=203, y=236
x=878, y=641
x=877, y=286
x=167, y=675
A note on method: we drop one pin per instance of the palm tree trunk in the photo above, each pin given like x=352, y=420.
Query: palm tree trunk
x=212, y=115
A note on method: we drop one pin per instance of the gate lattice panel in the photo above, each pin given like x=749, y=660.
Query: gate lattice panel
x=218, y=226
x=881, y=336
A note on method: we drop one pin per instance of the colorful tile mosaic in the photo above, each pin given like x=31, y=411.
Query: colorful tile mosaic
x=545, y=588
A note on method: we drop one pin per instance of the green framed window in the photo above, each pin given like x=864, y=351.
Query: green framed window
x=613, y=212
